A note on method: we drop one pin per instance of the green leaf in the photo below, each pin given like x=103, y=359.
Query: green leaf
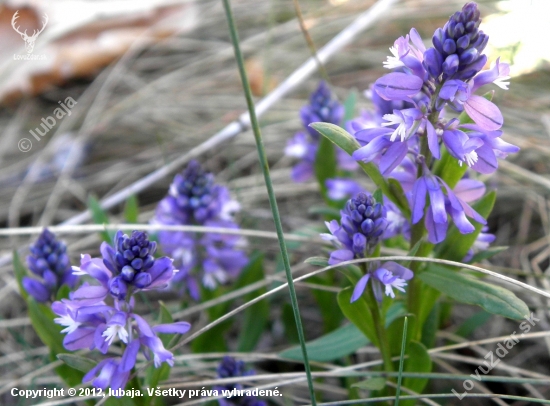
x=395, y=333
x=341, y=342
x=358, y=313
x=325, y=164
x=42, y=320
x=456, y=245
x=63, y=292
x=371, y=384
x=349, y=105
x=330, y=212
x=317, y=261
x=77, y=362
x=344, y=140
x=472, y=323
x=334, y=345
x=418, y=361
x=466, y=289
x=378, y=196
x=20, y=271
x=287, y=317
x=326, y=301
x=131, y=210
x=486, y=254
x=99, y=216
x=401, y=360
x=256, y=317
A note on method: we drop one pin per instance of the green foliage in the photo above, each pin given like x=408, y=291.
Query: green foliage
x=77, y=362
x=349, y=106
x=256, y=317
x=325, y=164
x=418, y=361
x=20, y=272
x=466, y=289
x=396, y=334
x=332, y=346
x=472, y=323
x=377, y=383
x=99, y=216
x=326, y=301
x=131, y=210
x=359, y=314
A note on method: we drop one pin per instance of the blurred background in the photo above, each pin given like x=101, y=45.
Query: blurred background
x=150, y=80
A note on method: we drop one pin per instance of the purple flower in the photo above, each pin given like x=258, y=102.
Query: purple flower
x=210, y=258
x=341, y=188
x=301, y=146
x=456, y=205
x=482, y=242
x=383, y=279
x=322, y=107
x=128, y=267
x=229, y=367
x=99, y=326
x=49, y=262
x=362, y=224
x=460, y=43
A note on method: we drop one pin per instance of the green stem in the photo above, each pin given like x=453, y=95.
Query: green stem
x=272, y=200
x=383, y=342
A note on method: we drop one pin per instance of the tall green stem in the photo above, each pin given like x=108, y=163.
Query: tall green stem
x=272, y=200
x=383, y=342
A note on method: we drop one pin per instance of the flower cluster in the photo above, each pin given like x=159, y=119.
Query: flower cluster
x=426, y=81
x=361, y=228
x=323, y=107
x=50, y=262
x=229, y=367
x=91, y=323
x=195, y=199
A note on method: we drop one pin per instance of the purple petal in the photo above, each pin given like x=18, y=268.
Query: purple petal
x=486, y=160
x=461, y=222
x=433, y=142
x=368, y=134
x=97, y=270
x=398, y=270
x=161, y=272
x=371, y=150
x=88, y=295
x=302, y=172
x=437, y=200
x=36, y=289
x=393, y=157
x=129, y=357
x=359, y=287
x=144, y=328
x=92, y=373
x=469, y=190
x=398, y=86
x=436, y=231
x=82, y=337
x=180, y=327
x=340, y=256
x=484, y=113
x=419, y=199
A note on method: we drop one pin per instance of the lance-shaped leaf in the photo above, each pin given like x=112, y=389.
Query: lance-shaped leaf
x=467, y=289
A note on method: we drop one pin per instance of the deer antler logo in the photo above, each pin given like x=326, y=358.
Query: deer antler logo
x=29, y=39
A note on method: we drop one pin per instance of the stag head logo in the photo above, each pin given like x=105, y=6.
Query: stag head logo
x=29, y=39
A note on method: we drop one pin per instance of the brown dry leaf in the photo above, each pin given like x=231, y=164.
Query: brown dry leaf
x=80, y=38
x=257, y=77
